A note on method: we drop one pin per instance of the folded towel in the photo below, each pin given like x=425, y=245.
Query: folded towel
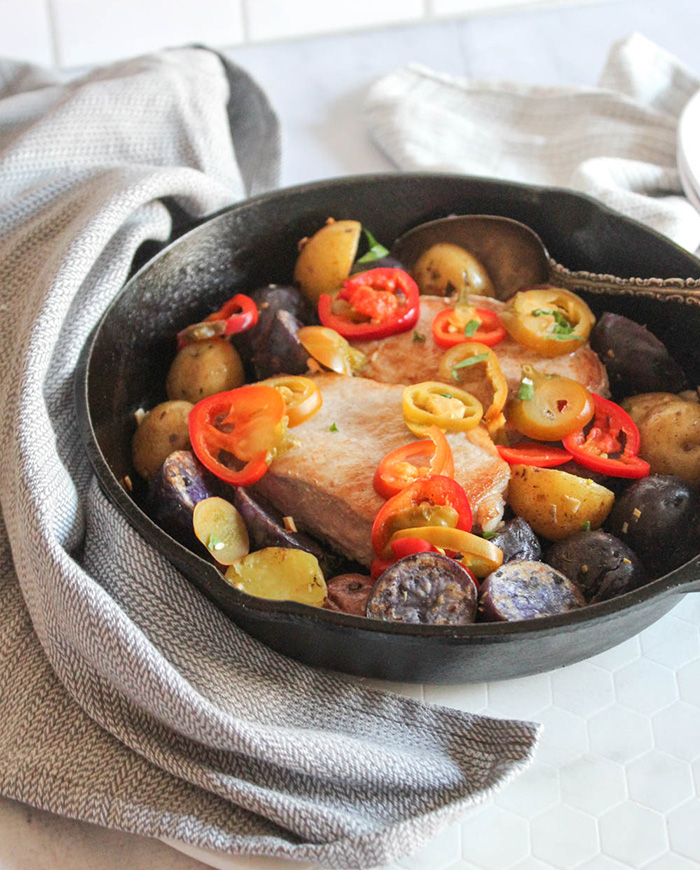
x=616, y=142
x=126, y=698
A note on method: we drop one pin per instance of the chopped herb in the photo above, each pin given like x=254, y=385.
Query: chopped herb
x=471, y=328
x=215, y=543
x=376, y=251
x=488, y=535
x=447, y=395
x=469, y=361
x=526, y=390
x=586, y=527
x=562, y=330
x=333, y=427
x=418, y=336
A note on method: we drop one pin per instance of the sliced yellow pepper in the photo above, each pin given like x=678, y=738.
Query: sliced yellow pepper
x=432, y=403
x=479, y=555
x=463, y=360
x=301, y=396
x=549, y=320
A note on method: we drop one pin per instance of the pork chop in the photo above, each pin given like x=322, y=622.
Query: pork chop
x=401, y=359
x=325, y=482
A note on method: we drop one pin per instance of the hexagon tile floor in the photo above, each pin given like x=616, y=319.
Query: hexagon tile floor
x=616, y=778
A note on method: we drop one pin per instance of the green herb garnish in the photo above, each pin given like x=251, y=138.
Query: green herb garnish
x=333, y=427
x=418, y=336
x=447, y=395
x=214, y=543
x=586, y=527
x=488, y=535
x=376, y=251
x=469, y=361
x=471, y=328
x=562, y=330
x=526, y=390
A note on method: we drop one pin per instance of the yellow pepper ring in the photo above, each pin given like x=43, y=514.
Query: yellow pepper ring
x=452, y=362
x=301, y=395
x=479, y=555
x=549, y=320
x=434, y=404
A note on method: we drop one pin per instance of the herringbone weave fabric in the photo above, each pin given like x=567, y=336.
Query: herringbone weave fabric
x=127, y=699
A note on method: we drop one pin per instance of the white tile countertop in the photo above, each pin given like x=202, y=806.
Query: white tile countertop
x=616, y=779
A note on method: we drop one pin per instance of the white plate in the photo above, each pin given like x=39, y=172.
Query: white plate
x=688, y=150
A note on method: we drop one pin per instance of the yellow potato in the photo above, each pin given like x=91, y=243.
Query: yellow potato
x=162, y=430
x=445, y=269
x=556, y=503
x=669, y=428
x=280, y=574
x=204, y=368
x=326, y=258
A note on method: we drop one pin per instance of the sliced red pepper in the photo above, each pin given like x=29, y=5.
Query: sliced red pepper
x=399, y=549
x=531, y=453
x=449, y=328
x=396, y=470
x=425, y=493
x=247, y=423
x=237, y=315
x=381, y=302
x=610, y=445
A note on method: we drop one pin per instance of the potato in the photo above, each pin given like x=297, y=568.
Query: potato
x=669, y=427
x=445, y=269
x=162, y=430
x=557, y=504
x=204, y=368
x=326, y=258
x=280, y=574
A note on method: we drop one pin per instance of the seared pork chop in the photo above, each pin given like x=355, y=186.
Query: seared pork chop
x=325, y=482
x=400, y=359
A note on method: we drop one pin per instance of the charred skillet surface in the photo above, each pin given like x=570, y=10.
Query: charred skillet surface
x=124, y=366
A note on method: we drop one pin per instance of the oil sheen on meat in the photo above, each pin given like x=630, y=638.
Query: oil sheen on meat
x=325, y=481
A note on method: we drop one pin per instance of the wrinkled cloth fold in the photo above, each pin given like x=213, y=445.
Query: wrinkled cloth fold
x=615, y=142
x=126, y=698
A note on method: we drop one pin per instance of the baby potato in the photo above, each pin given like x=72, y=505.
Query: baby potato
x=669, y=428
x=162, y=430
x=557, y=504
x=445, y=269
x=280, y=574
x=204, y=368
x=326, y=258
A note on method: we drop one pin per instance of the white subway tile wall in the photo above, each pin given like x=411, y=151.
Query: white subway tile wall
x=79, y=33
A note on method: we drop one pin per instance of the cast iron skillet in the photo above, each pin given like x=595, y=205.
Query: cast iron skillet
x=248, y=245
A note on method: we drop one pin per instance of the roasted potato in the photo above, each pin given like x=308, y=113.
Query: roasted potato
x=325, y=259
x=669, y=427
x=279, y=575
x=635, y=359
x=162, y=430
x=181, y=482
x=557, y=504
x=204, y=368
x=445, y=269
x=526, y=590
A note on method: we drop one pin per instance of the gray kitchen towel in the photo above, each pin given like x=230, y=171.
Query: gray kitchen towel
x=616, y=142
x=127, y=699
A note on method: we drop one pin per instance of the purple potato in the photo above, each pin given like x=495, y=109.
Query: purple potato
x=635, y=359
x=518, y=541
x=278, y=350
x=659, y=518
x=601, y=565
x=180, y=483
x=526, y=590
x=425, y=588
x=348, y=593
x=280, y=297
x=266, y=529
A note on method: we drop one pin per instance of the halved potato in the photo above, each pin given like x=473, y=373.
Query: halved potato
x=280, y=574
x=556, y=503
x=326, y=258
x=445, y=269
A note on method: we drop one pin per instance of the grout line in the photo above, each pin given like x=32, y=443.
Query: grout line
x=53, y=33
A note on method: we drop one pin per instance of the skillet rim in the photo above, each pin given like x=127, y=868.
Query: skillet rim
x=674, y=582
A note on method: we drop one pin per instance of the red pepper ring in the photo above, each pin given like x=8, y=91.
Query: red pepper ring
x=432, y=491
x=400, y=548
x=448, y=328
x=396, y=471
x=610, y=445
x=373, y=294
x=237, y=315
x=247, y=423
x=532, y=453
